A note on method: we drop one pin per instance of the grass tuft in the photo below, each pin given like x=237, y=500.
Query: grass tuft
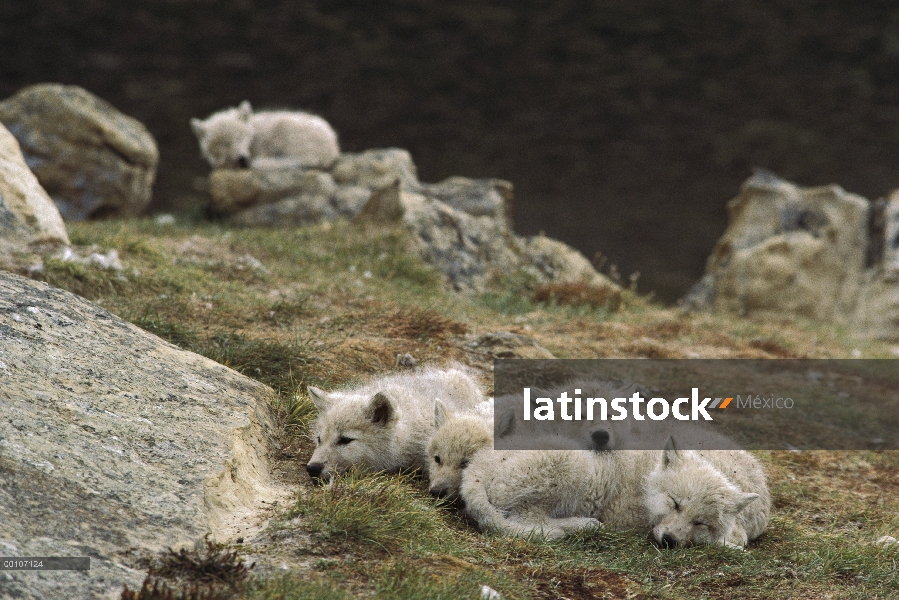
x=375, y=510
x=579, y=294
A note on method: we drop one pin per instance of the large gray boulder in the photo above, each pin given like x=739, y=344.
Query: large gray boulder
x=27, y=214
x=115, y=444
x=93, y=160
x=788, y=250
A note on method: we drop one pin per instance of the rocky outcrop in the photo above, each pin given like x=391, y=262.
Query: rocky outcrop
x=290, y=196
x=821, y=253
x=115, y=444
x=473, y=250
x=27, y=214
x=93, y=160
x=459, y=225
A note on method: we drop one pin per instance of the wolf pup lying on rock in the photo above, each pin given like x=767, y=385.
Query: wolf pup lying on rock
x=684, y=497
x=385, y=424
x=239, y=138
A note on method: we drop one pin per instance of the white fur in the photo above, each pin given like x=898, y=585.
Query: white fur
x=238, y=137
x=385, y=424
x=551, y=492
x=721, y=498
x=455, y=440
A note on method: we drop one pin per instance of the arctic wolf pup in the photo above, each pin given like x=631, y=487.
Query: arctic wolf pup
x=456, y=439
x=385, y=424
x=552, y=492
x=681, y=496
x=715, y=497
x=458, y=436
x=239, y=138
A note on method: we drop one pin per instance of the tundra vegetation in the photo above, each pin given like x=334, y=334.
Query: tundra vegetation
x=332, y=305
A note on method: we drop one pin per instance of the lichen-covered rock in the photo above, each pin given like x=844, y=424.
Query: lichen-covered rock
x=459, y=225
x=478, y=197
x=93, y=160
x=474, y=250
x=290, y=196
x=27, y=214
x=234, y=190
x=877, y=312
x=469, y=250
x=558, y=262
x=115, y=444
x=788, y=250
x=376, y=169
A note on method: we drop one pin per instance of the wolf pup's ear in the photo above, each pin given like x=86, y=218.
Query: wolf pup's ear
x=671, y=455
x=381, y=410
x=440, y=413
x=744, y=500
x=197, y=126
x=319, y=398
x=245, y=110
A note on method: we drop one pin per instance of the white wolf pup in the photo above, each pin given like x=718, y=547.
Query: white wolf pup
x=680, y=495
x=456, y=439
x=551, y=492
x=715, y=497
x=458, y=436
x=239, y=138
x=385, y=424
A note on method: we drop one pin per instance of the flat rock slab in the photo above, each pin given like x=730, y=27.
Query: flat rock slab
x=115, y=444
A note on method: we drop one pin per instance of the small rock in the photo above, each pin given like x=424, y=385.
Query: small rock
x=886, y=540
x=503, y=344
x=405, y=360
x=234, y=190
x=289, y=212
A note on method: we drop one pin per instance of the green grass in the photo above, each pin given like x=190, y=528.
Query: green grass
x=373, y=510
x=292, y=587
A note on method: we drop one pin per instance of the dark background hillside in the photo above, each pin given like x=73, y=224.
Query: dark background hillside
x=625, y=125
